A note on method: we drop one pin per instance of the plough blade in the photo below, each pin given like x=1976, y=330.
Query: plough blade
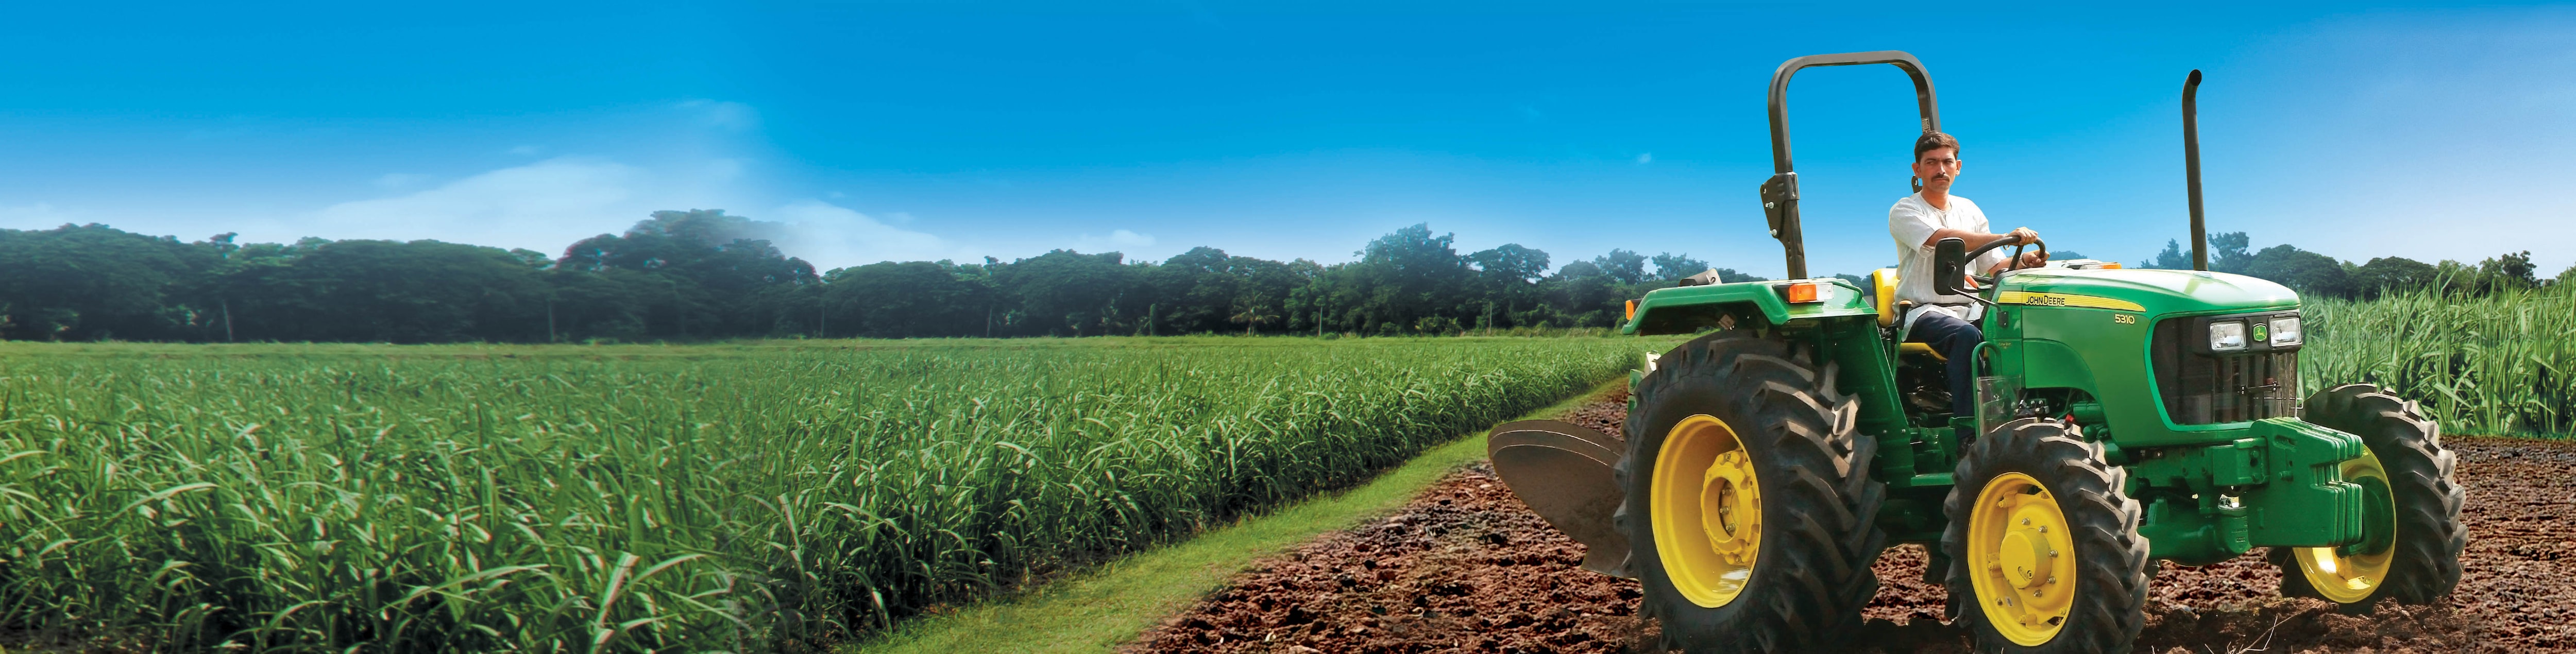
x=1562, y=471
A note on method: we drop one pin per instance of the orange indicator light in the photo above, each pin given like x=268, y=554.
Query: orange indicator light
x=1802, y=293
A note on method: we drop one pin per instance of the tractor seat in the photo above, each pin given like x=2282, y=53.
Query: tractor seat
x=1883, y=282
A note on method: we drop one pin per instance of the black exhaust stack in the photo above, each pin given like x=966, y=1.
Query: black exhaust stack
x=2191, y=171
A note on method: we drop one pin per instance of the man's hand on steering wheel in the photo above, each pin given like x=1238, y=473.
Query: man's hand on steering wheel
x=2028, y=260
x=2021, y=236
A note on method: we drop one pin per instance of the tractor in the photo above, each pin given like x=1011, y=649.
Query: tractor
x=2122, y=416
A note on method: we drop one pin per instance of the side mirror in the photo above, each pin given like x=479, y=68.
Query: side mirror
x=1949, y=266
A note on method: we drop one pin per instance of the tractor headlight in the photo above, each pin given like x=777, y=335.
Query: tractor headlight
x=2285, y=331
x=2226, y=336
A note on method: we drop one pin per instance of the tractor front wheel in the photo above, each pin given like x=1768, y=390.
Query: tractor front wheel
x=1750, y=509
x=2412, y=535
x=2043, y=544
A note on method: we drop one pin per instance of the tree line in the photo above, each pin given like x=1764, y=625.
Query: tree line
x=705, y=274
x=2314, y=274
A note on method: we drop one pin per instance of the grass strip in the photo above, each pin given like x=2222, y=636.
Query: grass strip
x=1098, y=610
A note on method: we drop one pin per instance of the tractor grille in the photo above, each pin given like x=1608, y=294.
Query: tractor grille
x=2201, y=389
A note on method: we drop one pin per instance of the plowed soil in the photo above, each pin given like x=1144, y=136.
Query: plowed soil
x=1467, y=568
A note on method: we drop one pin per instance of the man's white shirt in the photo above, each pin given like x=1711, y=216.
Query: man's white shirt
x=1912, y=222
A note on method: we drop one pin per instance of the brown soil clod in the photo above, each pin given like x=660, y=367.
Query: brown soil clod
x=1465, y=567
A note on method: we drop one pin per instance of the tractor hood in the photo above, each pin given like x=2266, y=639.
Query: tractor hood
x=2158, y=291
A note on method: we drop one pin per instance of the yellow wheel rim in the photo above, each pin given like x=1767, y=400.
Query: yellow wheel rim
x=2347, y=579
x=1707, y=511
x=2023, y=559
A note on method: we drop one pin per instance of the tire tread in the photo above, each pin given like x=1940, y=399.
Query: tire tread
x=1814, y=574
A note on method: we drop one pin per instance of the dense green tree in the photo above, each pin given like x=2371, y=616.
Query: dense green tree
x=91, y=282
x=907, y=300
x=2172, y=258
x=2384, y=273
x=707, y=274
x=613, y=304
x=1203, y=289
x=1669, y=266
x=2307, y=272
x=1066, y=293
x=1622, y=266
x=2227, y=252
x=1402, y=278
x=391, y=291
x=1510, y=262
x=2510, y=270
x=1583, y=294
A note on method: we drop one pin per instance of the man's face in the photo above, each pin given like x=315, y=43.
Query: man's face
x=1937, y=167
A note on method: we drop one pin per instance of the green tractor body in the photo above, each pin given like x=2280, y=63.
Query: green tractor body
x=2122, y=417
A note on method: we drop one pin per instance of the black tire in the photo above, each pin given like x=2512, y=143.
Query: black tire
x=2109, y=600
x=1811, y=575
x=2429, y=535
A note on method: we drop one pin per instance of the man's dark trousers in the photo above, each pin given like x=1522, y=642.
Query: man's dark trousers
x=1957, y=341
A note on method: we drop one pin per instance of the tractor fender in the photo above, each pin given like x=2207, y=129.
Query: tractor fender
x=1689, y=309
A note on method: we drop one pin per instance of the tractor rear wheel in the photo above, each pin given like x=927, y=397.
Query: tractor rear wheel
x=2412, y=536
x=2044, y=548
x=1750, y=510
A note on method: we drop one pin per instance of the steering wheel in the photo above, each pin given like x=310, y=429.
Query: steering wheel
x=2011, y=264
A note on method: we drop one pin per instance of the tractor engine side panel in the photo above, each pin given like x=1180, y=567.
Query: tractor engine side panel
x=2098, y=351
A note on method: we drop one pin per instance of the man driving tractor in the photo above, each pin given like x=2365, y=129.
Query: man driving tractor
x=1945, y=322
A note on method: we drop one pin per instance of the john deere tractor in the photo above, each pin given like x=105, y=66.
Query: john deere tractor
x=2122, y=417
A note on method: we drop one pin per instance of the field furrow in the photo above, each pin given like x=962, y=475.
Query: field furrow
x=1468, y=568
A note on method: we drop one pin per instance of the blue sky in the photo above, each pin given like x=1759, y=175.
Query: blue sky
x=1283, y=130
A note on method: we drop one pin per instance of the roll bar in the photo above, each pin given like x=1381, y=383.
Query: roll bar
x=1780, y=193
x=2191, y=169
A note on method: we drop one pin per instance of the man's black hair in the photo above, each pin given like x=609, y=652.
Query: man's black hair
x=1933, y=141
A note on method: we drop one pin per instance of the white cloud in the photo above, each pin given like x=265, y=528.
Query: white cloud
x=550, y=204
x=562, y=198
x=1646, y=158
x=1118, y=240
x=830, y=236
x=40, y=215
x=542, y=206
x=527, y=150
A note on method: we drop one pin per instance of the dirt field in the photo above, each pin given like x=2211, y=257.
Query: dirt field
x=1467, y=568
